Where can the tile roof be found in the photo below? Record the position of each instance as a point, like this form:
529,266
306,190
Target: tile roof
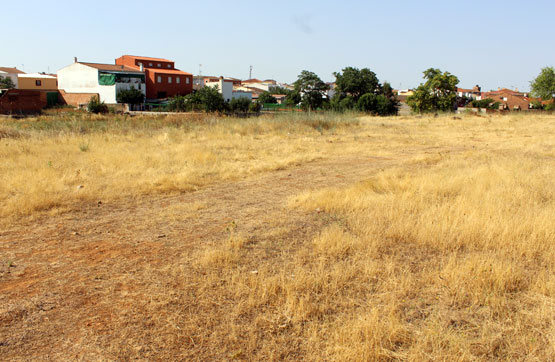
112,67
167,71
148,58
11,70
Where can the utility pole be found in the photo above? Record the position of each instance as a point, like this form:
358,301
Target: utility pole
250,72
199,75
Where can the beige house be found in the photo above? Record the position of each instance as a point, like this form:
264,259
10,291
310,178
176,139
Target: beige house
37,81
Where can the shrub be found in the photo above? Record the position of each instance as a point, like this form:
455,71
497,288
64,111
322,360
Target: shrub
239,105
255,107
132,96
96,106
266,97
377,104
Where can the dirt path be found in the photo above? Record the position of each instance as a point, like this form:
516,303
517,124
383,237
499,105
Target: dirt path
72,281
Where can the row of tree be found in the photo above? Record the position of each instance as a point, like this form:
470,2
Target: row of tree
439,92
355,89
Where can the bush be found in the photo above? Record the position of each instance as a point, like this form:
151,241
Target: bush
239,105
347,103
377,104
96,106
266,97
255,107
132,96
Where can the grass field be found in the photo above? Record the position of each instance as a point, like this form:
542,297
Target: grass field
287,238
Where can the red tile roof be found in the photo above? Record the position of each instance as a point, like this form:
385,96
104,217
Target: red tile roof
11,70
167,71
112,67
148,58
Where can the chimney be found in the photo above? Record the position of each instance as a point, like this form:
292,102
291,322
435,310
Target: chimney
141,67
75,59
516,89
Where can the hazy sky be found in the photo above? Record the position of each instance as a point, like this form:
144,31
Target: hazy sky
491,43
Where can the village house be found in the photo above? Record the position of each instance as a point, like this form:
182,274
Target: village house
509,99
80,81
225,87
475,93
11,73
37,81
163,80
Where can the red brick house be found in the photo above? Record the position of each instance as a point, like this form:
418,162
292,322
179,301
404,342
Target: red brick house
512,100
162,79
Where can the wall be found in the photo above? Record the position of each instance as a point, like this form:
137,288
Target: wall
79,78
241,94
171,89
225,88
27,81
22,101
133,61
75,99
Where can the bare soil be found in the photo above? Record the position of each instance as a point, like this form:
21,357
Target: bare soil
117,281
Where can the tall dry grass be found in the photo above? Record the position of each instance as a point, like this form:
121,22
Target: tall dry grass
449,256
51,163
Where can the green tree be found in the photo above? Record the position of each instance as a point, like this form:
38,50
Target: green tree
377,104
132,96
311,89
239,105
438,93
6,83
267,97
356,82
544,84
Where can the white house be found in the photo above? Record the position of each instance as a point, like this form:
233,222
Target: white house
11,73
225,87
104,79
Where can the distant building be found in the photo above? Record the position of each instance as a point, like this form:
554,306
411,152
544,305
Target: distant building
509,99
163,80
37,81
11,73
474,93
225,87
104,80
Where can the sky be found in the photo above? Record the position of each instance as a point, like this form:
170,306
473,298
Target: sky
489,43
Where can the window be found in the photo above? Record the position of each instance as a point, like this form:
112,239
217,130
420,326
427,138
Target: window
159,65
150,64
159,79
169,65
187,80
177,80
38,83
169,79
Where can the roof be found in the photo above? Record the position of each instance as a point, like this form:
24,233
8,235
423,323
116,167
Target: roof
148,58
167,71
11,70
112,67
254,80
36,75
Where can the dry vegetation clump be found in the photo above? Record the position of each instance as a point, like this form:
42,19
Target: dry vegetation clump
75,158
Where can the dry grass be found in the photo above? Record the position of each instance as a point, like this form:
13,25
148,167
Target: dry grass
445,251
50,163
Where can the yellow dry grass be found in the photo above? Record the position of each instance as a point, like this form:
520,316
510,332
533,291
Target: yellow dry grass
446,251
51,167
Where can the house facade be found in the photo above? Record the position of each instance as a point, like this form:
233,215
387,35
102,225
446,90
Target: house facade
162,79
225,87
106,80
37,81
